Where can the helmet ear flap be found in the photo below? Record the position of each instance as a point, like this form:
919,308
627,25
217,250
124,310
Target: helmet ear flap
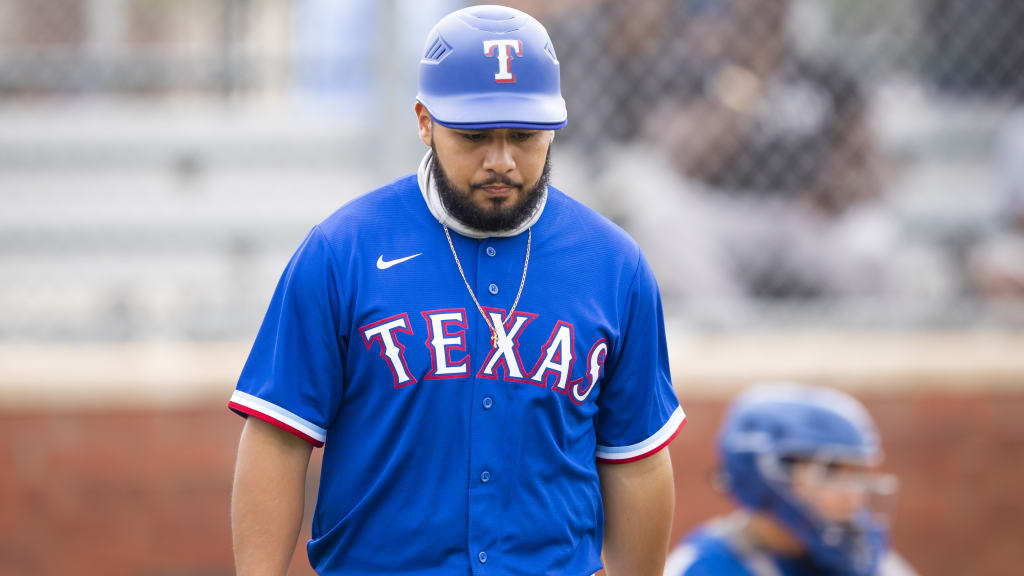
743,478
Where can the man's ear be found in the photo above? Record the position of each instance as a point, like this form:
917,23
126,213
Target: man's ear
425,123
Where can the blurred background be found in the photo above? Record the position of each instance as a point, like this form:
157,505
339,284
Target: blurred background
829,191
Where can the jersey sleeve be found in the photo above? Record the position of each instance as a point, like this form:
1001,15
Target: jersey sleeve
293,377
638,412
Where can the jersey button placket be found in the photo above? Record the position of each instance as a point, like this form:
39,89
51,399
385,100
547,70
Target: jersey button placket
484,489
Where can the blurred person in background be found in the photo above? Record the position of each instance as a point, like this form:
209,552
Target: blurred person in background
802,463
760,177
779,147
761,120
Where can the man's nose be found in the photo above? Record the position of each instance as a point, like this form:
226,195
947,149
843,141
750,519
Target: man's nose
498,157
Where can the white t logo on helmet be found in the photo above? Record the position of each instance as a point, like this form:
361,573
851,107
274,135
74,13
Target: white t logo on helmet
505,48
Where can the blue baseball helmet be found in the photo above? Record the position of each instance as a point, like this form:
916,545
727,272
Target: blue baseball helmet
772,424
491,67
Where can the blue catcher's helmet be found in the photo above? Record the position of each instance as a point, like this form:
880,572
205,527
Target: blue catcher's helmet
491,67
770,425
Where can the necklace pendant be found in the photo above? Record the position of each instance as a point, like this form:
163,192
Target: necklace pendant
494,340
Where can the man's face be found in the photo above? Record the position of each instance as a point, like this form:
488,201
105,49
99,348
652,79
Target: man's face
489,179
839,491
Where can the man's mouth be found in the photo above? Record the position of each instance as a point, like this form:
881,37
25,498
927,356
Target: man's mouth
497,190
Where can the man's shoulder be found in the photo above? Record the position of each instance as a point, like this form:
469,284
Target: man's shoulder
705,552
394,202
589,225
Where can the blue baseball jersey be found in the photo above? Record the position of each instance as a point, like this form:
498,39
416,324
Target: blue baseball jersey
443,454
717,549
708,552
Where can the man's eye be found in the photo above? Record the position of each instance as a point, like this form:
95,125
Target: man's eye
524,136
473,137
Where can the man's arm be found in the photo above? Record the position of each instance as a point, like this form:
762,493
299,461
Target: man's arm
268,498
639,498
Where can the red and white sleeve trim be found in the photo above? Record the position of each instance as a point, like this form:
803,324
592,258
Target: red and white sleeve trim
641,450
249,405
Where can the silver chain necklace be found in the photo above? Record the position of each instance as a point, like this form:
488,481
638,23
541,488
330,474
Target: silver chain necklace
526,263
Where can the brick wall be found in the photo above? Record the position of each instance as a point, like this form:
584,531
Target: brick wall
139,492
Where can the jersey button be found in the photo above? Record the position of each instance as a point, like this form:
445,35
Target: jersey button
482,556
488,402
485,476
493,288
491,251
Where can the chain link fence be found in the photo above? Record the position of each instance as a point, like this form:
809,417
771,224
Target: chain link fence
836,162
826,162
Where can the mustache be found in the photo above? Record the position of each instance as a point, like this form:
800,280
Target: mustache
497,179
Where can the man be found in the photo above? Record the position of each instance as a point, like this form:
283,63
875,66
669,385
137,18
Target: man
802,464
482,358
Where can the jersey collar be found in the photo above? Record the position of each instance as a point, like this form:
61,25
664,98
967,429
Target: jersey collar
436,206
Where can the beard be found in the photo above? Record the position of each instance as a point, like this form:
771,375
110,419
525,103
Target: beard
495,217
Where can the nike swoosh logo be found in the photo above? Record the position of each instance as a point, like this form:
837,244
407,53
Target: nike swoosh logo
385,264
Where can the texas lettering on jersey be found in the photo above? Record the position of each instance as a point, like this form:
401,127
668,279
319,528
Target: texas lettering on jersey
372,349
446,346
